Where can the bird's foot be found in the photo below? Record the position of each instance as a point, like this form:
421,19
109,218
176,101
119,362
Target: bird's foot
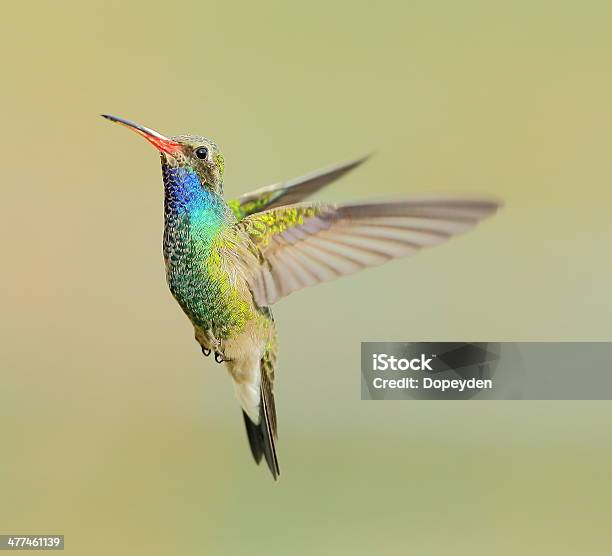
208,338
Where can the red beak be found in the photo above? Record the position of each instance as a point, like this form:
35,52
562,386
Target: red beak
161,143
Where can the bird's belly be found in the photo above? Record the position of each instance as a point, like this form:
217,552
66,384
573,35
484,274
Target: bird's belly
211,300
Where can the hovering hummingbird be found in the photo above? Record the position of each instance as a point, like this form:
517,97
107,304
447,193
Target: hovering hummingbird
227,262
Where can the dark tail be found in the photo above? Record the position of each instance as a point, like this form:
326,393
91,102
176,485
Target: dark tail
262,436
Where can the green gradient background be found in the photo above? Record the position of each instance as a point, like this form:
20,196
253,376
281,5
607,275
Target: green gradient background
117,433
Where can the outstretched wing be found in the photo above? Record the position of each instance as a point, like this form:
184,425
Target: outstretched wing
288,192
305,244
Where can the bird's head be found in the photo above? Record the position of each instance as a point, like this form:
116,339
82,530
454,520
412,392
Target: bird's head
184,151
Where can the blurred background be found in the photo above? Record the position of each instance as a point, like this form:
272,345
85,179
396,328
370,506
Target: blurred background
119,434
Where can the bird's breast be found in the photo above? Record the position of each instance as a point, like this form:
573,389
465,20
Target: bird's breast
203,281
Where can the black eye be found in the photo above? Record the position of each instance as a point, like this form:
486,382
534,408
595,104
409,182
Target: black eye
202,153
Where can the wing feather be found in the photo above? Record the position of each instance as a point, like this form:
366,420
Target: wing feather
305,244
290,191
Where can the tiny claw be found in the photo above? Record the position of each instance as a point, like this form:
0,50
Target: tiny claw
206,351
219,358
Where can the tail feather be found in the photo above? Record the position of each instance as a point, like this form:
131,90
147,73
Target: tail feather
268,423
262,436
255,438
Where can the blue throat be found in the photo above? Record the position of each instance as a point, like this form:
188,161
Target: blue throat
186,198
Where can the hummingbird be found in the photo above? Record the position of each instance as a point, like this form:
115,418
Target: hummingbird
228,262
